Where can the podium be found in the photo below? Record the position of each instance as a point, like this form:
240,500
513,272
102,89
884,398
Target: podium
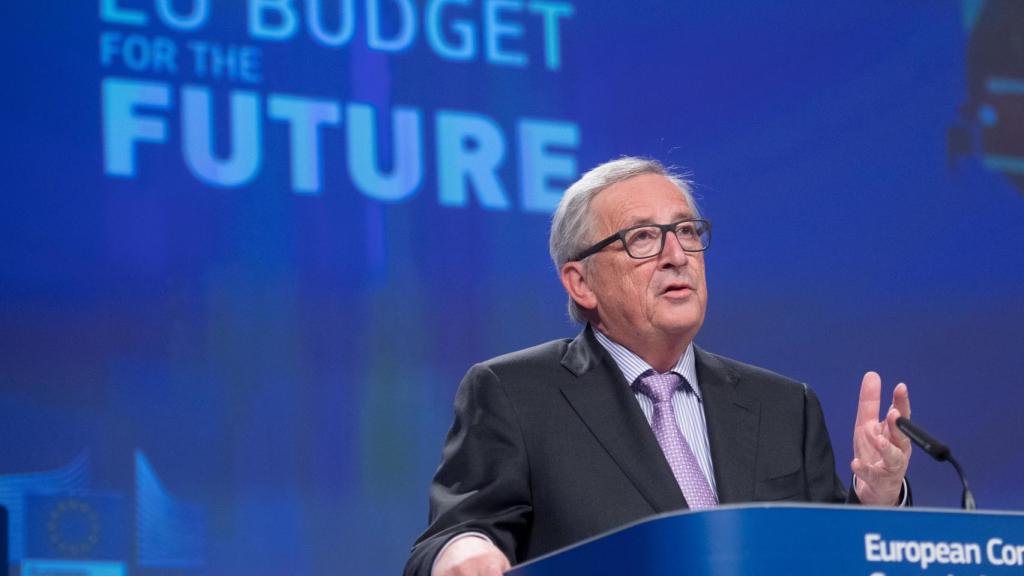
799,539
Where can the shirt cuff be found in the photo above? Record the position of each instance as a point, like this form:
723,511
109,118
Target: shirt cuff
456,538
904,491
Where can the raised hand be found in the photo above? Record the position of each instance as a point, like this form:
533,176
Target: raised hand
881,452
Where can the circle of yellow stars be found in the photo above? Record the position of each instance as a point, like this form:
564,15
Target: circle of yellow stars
65,509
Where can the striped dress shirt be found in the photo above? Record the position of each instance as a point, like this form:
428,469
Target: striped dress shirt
686,402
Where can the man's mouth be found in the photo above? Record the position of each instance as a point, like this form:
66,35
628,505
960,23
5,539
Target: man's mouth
677,289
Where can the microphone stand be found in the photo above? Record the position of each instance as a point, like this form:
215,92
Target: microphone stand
938,451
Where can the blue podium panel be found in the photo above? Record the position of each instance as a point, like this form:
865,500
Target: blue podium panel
800,539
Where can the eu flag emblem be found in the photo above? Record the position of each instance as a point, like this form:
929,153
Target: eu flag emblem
87,526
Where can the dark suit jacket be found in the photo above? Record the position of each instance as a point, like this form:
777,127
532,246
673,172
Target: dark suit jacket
549,447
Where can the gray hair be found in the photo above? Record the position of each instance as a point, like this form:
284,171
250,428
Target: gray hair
572,226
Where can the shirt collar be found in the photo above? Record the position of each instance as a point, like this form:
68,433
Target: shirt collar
633,366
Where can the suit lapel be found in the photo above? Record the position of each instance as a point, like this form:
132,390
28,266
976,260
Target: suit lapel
733,420
603,400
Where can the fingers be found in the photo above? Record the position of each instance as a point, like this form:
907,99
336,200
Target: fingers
870,398
881,457
901,399
892,456
895,435
881,447
881,450
863,471
875,486
857,467
863,446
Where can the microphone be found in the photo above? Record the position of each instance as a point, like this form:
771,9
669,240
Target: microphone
940,452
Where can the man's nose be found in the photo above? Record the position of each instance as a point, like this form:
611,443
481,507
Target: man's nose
673,254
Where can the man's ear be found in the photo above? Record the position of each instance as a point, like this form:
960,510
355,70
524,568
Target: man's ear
574,279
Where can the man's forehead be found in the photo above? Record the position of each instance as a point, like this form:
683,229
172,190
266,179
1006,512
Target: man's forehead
644,199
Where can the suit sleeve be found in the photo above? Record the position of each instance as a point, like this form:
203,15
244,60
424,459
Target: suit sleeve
482,484
823,484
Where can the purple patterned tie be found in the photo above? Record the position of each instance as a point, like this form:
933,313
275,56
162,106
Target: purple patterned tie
659,388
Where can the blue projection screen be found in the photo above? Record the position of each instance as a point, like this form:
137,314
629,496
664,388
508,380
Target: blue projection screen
250,247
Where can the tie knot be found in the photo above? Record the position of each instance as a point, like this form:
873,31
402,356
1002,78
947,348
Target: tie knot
659,387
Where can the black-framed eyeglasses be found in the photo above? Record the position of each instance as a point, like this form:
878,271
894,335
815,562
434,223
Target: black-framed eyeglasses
648,240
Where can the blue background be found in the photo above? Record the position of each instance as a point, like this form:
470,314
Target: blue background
286,363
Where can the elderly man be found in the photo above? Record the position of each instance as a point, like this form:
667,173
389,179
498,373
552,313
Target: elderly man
569,439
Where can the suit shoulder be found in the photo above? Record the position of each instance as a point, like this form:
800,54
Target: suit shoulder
538,365
749,375
541,355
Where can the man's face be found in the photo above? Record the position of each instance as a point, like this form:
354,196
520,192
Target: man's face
655,300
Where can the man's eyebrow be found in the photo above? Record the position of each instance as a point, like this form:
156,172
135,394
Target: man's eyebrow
649,221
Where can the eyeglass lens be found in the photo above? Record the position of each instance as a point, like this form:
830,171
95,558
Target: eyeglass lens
646,241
